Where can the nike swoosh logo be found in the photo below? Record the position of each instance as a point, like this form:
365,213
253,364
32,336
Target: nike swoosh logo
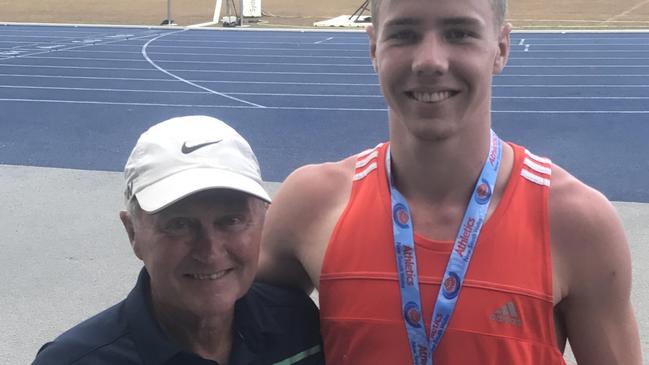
187,149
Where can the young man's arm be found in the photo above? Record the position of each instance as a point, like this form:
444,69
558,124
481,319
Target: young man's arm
299,223
593,267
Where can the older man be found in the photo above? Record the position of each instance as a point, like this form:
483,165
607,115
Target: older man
195,209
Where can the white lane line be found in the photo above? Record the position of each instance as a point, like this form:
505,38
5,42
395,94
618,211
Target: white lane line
144,53
578,58
215,54
201,25
350,65
256,49
572,111
577,66
333,83
346,74
312,108
211,41
80,46
364,57
581,86
47,36
54,46
588,75
574,97
598,41
210,55
342,51
594,86
189,105
216,44
15,87
598,51
526,20
305,95
202,81
286,35
192,62
322,41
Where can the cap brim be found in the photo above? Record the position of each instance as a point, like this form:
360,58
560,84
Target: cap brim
169,190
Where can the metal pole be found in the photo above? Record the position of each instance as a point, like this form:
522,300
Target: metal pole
241,13
169,12
217,11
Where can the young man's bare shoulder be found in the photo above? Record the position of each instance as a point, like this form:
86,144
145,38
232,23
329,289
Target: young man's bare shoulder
588,239
300,221
592,268
579,207
317,186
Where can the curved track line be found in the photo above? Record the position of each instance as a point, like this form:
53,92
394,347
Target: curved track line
146,56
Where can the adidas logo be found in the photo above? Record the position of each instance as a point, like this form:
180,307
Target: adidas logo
507,314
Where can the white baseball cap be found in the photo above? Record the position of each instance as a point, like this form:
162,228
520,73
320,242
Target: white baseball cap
182,156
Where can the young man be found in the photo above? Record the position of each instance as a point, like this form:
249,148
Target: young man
446,245
195,209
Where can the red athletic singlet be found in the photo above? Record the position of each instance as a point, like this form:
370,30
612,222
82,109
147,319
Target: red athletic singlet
504,314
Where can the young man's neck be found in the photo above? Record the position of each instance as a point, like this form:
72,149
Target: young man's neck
438,177
441,171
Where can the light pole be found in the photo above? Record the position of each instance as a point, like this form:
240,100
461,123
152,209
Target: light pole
169,12
241,13
168,21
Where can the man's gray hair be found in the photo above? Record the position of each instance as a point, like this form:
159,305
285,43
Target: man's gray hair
131,204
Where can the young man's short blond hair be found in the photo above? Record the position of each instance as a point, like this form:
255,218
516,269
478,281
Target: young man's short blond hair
499,8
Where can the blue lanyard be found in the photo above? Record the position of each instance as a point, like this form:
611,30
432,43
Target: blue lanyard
423,346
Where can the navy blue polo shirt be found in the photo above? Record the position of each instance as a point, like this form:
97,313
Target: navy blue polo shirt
272,326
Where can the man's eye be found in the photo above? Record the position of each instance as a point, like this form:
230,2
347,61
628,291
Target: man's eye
403,36
457,35
233,222
178,225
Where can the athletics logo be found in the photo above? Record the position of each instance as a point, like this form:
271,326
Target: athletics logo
451,286
482,192
400,215
412,315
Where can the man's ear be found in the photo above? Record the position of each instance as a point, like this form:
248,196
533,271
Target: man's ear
503,48
127,222
371,34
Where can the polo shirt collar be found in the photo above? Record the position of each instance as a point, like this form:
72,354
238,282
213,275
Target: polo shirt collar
254,316
254,323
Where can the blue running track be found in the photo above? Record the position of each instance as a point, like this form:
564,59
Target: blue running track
78,97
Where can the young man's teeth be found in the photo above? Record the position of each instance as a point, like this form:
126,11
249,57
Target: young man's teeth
431,97
208,276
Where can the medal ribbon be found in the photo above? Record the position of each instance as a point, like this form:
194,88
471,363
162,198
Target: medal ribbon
423,346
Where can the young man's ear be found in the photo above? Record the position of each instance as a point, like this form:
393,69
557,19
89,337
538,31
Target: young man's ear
371,34
127,222
503,48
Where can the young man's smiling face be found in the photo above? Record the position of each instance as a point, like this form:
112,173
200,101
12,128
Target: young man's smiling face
435,60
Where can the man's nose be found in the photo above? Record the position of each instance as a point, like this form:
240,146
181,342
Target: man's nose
431,56
209,246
